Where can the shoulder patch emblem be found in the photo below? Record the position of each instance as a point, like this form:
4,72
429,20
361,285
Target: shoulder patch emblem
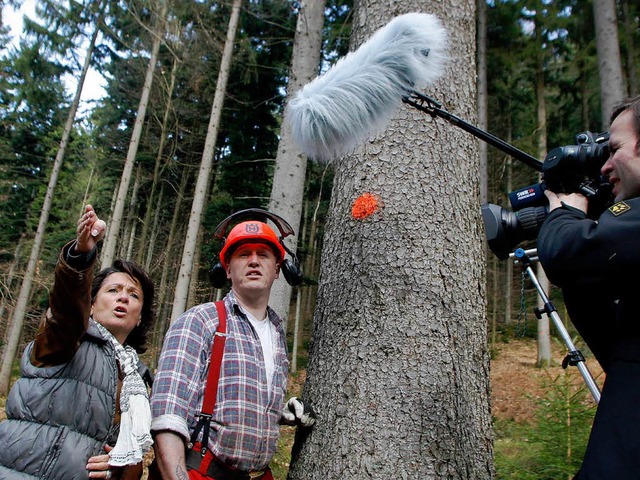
619,208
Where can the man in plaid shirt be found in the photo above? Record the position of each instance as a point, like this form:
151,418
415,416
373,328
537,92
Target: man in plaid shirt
251,389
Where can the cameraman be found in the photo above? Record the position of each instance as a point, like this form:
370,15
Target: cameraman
597,264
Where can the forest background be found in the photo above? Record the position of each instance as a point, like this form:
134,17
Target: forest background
537,54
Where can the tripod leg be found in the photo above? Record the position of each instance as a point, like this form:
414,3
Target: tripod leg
575,356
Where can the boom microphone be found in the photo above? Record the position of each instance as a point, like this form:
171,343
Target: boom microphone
356,97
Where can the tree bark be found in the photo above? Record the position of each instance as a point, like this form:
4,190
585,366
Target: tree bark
629,30
161,323
399,364
544,336
201,189
612,88
483,95
291,165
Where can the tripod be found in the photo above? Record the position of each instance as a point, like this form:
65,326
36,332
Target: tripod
525,258
574,357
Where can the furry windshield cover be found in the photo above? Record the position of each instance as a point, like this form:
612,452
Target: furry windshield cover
357,97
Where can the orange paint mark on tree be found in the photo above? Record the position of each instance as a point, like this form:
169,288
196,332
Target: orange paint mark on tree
365,205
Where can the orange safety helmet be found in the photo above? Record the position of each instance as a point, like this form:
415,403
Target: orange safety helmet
251,231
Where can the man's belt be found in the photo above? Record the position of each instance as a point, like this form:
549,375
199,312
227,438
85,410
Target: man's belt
216,469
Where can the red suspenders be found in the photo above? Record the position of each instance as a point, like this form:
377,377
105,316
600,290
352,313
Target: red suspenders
198,458
211,389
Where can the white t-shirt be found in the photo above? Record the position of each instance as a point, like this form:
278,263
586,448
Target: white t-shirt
266,334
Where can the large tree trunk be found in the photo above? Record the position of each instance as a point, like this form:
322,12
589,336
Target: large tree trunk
612,88
144,253
483,95
6,301
113,228
629,29
164,310
202,184
132,223
29,274
399,364
508,287
544,336
291,164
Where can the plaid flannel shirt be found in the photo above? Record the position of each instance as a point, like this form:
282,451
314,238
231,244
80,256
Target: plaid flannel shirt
244,427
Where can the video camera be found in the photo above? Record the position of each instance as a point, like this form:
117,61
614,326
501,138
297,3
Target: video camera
567,169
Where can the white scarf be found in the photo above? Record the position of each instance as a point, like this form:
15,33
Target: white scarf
134,438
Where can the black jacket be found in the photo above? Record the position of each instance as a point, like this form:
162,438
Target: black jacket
597,265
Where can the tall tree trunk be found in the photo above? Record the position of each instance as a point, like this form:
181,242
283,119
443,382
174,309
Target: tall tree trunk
483,95
508,287
629,30
29,274
7,298
194,283
291,164
87,189
612,88
399,364
202,184
114,197
544,337
302,292
132,222
167,267
113,229
156,170
149,251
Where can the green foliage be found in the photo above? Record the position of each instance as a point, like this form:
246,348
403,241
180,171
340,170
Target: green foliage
33,106
515,456
511,93
552,446
30,114
33,103
553,41
249,137
551,44
337,29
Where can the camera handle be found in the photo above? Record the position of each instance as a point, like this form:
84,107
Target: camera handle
574,357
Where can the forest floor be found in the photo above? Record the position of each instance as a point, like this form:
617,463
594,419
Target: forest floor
517,384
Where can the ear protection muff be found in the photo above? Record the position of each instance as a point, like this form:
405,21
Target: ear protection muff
291,269
218,276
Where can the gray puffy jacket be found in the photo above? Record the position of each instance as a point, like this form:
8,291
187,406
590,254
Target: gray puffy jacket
58,417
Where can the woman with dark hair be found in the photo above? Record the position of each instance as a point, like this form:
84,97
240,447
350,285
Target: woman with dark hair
137,338
81,407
